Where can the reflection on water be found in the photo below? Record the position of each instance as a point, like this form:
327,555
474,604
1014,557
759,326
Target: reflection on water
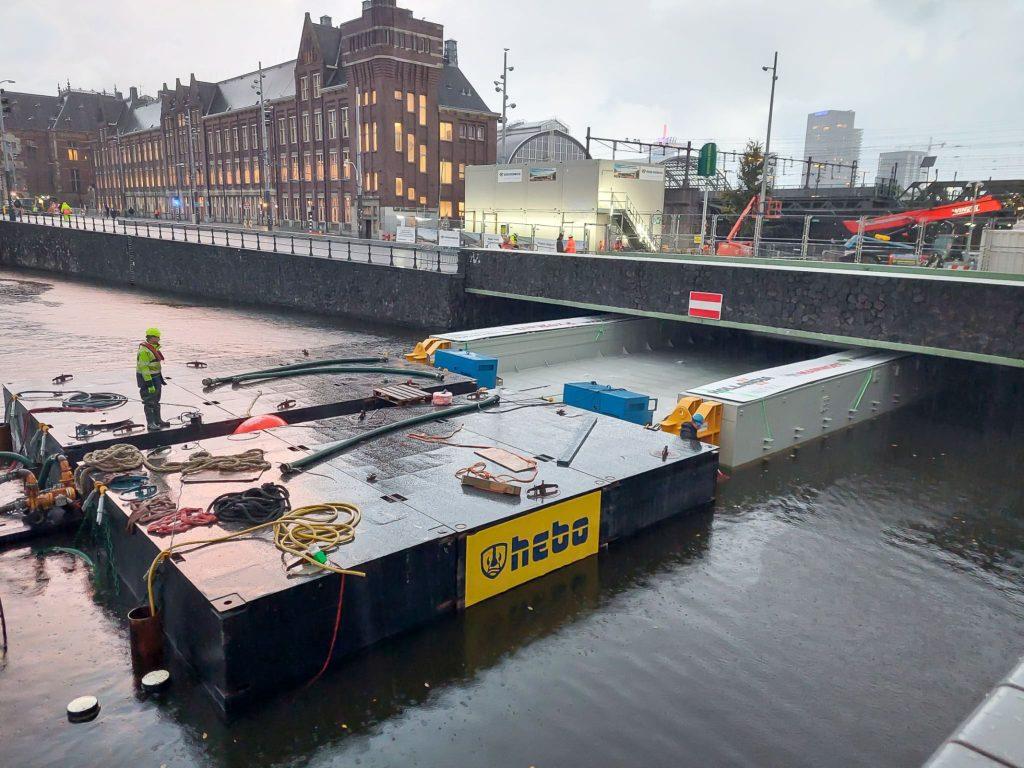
847,606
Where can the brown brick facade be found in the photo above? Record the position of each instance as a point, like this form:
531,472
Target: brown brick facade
381,95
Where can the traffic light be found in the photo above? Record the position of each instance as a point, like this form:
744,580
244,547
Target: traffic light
707,161
5,103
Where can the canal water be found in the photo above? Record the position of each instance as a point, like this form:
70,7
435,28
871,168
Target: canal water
845,606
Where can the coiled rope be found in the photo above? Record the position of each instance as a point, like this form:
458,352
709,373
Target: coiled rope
294,534
117,458
202,461
252,506
95,401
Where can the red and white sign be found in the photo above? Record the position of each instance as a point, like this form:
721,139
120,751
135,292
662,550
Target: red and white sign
707,305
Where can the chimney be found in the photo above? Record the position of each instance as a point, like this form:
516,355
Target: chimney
451,53
326,20
133,94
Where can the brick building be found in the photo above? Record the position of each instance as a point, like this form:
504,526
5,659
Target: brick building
50,140
374,110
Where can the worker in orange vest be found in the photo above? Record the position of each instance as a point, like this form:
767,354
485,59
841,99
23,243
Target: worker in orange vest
570,245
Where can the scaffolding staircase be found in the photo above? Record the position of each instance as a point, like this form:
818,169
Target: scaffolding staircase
632,223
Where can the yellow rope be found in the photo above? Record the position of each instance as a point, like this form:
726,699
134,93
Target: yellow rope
294,533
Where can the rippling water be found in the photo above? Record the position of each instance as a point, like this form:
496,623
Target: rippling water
845,607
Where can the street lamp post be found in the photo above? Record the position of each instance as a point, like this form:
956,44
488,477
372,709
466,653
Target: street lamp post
6,170
501,86
264,118
761,202
191,167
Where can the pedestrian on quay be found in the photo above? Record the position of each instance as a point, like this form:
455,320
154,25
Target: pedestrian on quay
570,245
560,243
65,211
106,212
131,211
150,378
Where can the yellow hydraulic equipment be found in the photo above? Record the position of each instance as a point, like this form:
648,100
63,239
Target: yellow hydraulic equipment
425,350
684,412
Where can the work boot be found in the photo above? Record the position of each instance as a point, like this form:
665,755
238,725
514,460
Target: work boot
152,417
156,412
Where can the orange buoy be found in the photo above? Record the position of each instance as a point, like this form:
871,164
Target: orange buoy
257,423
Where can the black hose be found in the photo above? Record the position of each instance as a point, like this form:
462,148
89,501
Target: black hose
333,449
403,372
298,366
95,401
252,506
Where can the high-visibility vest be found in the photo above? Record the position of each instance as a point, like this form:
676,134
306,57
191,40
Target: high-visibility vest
147,362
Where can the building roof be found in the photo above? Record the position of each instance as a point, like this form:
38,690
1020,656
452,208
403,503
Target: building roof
238,93
455,92
86,111
142,116
31,111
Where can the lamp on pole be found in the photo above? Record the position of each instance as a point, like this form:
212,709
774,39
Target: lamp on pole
5,171
761,201
501,86
257,85
192,166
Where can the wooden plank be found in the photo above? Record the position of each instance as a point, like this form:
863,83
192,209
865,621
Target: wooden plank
494,486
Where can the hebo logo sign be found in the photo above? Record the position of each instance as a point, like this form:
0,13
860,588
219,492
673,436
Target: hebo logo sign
512,553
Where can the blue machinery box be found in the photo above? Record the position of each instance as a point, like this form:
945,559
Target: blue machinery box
611,401
482,368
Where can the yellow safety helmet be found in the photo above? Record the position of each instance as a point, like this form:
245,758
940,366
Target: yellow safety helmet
152,332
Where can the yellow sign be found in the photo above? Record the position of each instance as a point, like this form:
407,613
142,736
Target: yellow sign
512,553
697,239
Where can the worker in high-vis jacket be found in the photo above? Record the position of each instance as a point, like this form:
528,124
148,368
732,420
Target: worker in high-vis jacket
150,378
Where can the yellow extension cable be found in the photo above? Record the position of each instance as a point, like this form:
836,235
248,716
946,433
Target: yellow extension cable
294,533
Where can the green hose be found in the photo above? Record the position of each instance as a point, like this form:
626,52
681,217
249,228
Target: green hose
334,449
67,551
23,460
410,372
298,366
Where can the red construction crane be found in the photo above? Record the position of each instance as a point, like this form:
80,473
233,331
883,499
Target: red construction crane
986,204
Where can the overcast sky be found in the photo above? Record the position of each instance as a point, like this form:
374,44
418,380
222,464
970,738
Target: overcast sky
912,69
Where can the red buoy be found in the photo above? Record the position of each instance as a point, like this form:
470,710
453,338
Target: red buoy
257,423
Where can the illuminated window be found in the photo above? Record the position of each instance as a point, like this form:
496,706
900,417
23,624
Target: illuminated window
398,186
283,167
231,177
444,209
423,109
446,131
446,172
423,158
295,166
248,172
462,171
376,180
346,163
462,209
410,145
398,95
366,98
334,164
334,209
410,101
304,88
319,165
374,136
256,172
72,152
411,194
423,200
307,168
373,96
